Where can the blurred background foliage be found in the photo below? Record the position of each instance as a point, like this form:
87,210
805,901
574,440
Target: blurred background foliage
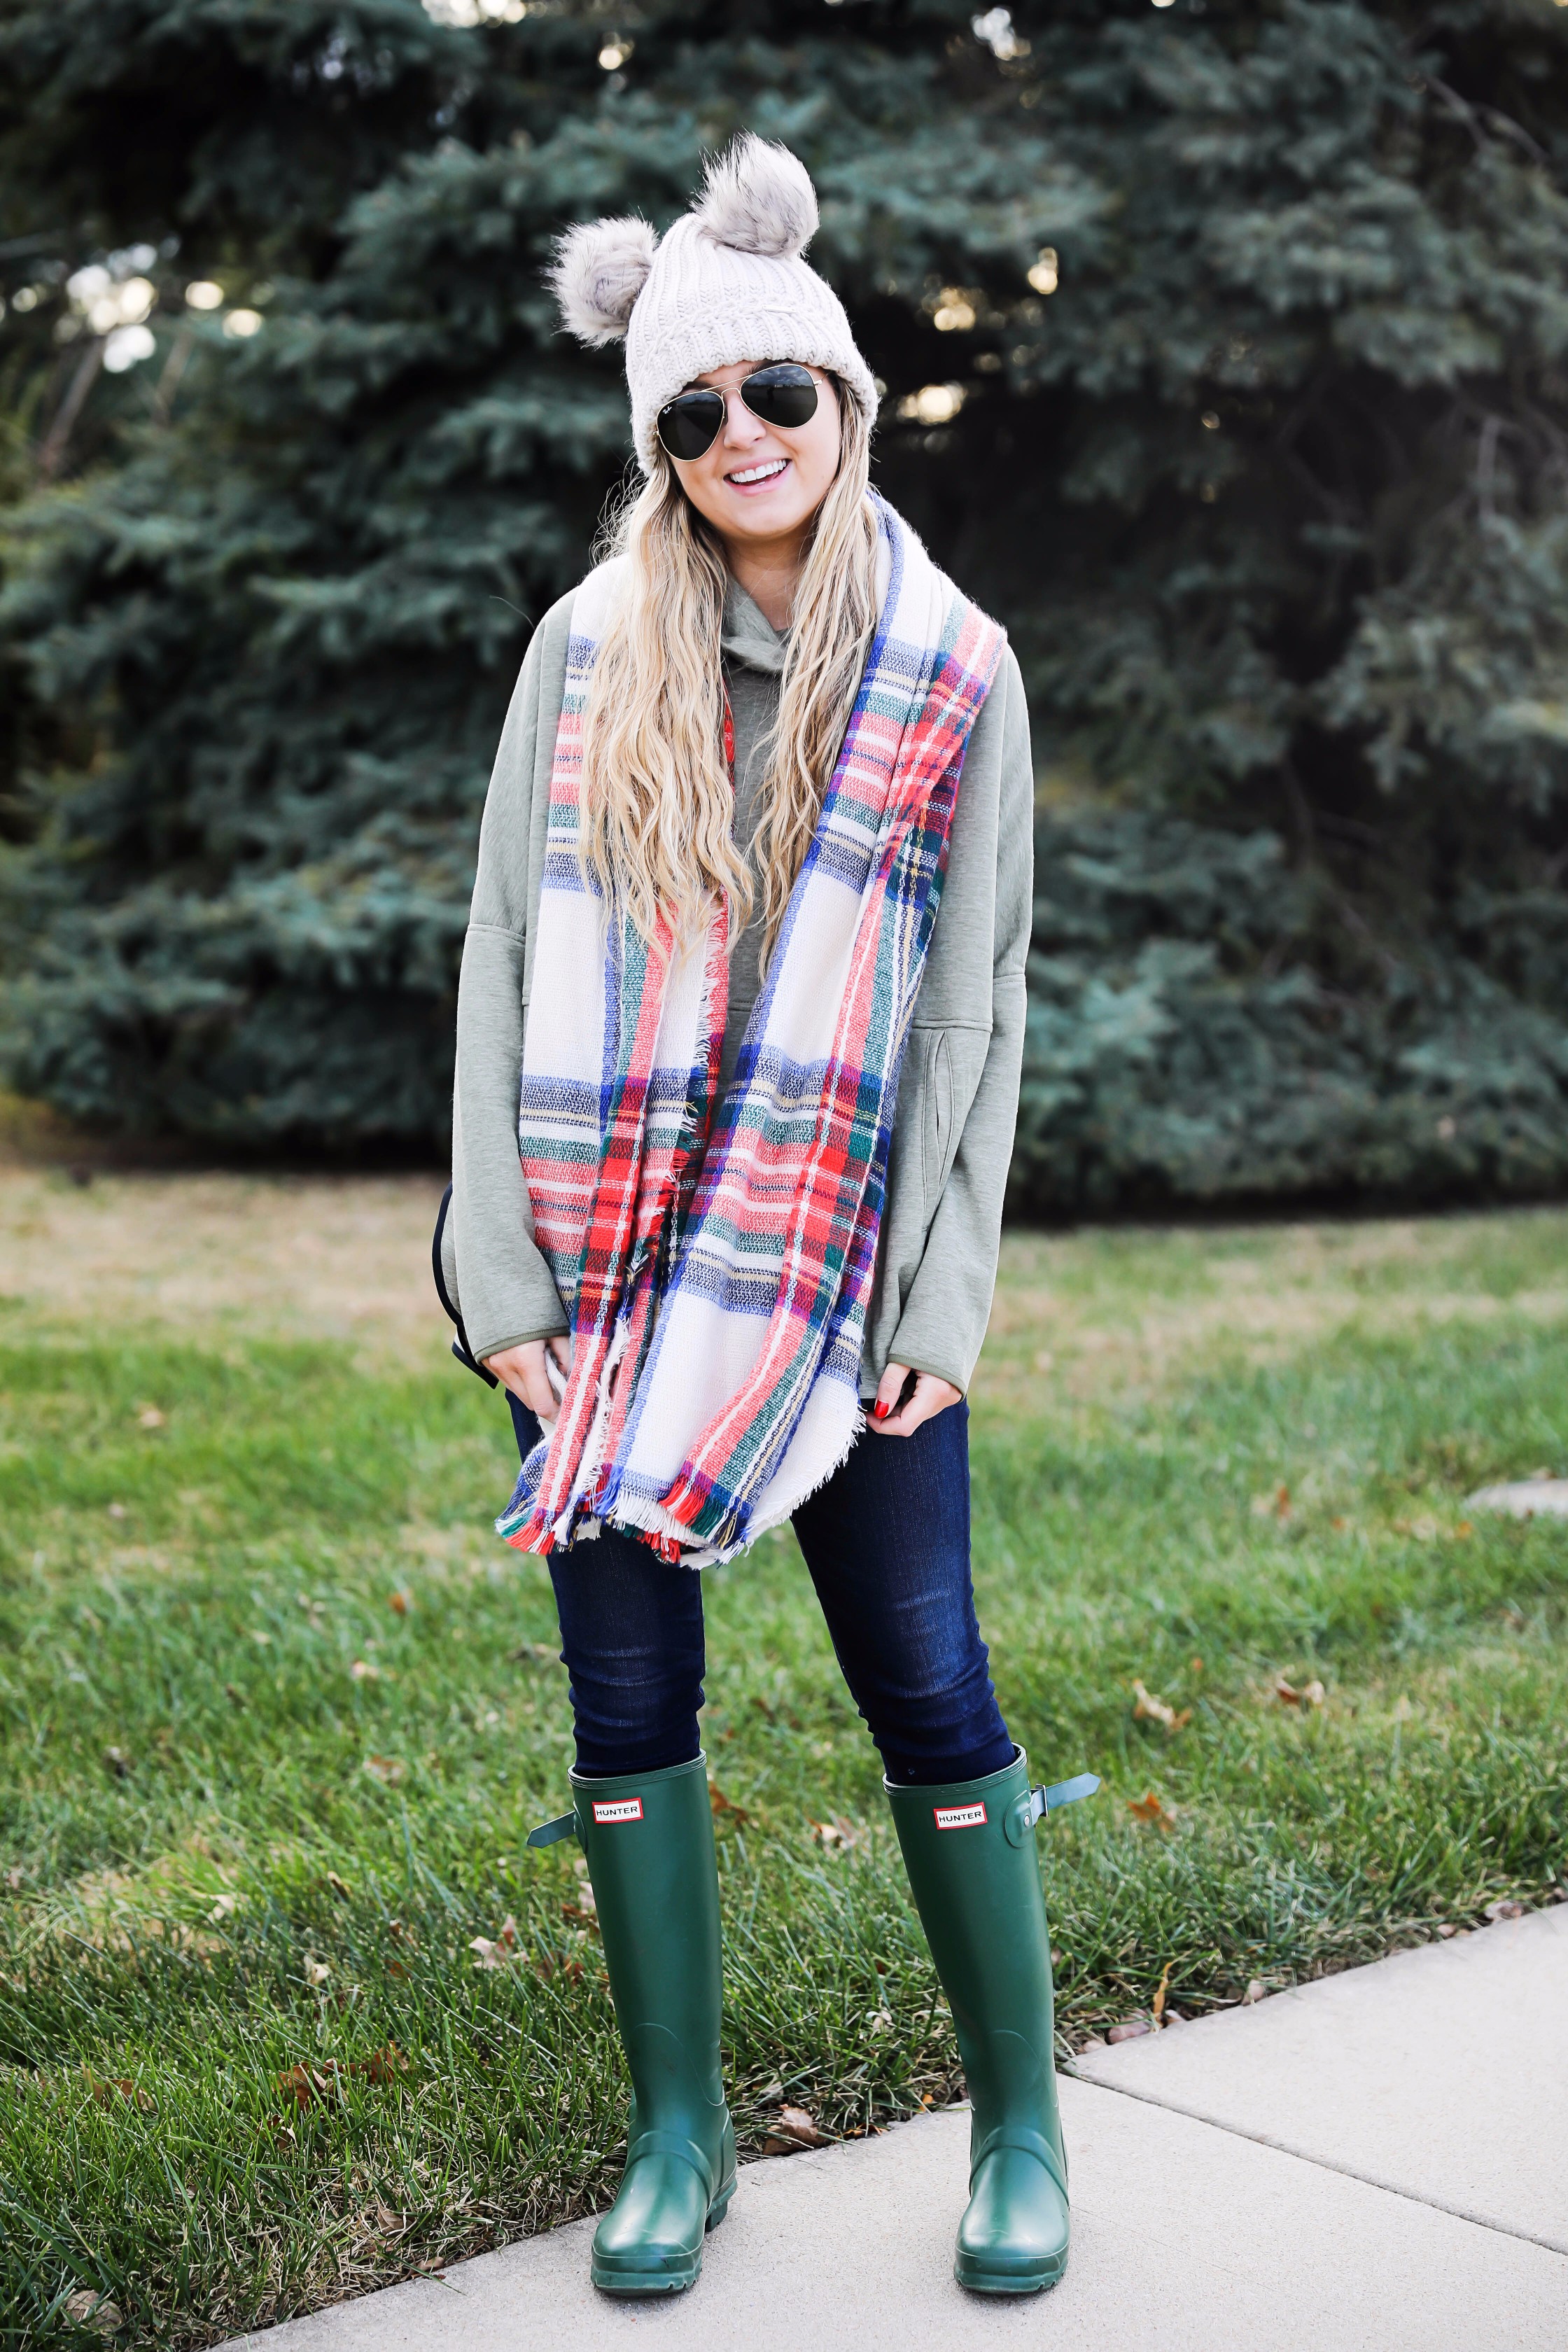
1227,360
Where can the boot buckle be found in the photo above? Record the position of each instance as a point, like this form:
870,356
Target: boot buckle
564,1825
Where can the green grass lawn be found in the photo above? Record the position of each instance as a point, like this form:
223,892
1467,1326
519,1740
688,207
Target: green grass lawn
277,1711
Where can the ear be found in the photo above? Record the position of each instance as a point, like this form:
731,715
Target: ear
759,199
600,269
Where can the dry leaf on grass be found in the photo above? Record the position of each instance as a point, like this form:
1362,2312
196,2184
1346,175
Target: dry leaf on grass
1311,1694
538,1653
1130,2030
339,1885
1276,1506
402,1602
1149,1808
15,1876
89,2308
1503,1909
118,1762
1157,2006
316,1971
838,1835
221,1909
364,1670
1256,1992
1156,1710
495,1951
108,2091
546,1966
309,2085
726,1806
388,1769
793,2129
1424,1527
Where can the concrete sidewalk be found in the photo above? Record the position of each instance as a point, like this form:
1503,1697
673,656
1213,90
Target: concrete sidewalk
1377,2161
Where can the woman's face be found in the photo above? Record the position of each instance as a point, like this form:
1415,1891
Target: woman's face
761,482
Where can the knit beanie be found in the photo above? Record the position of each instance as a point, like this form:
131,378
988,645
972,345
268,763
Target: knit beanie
726,283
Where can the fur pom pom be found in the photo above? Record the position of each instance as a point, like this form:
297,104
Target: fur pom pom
600,269
758,198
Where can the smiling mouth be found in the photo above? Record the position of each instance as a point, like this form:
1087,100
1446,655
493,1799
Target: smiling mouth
748,474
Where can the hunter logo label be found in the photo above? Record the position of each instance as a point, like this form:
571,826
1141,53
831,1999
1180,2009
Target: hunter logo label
618,1809
959,1817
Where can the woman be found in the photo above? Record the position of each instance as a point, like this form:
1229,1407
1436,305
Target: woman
727,802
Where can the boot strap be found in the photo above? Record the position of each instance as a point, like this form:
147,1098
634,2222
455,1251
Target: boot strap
667,2143
1020,1818
1028,2143
564,1825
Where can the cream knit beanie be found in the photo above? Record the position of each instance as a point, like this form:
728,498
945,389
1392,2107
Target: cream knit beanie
726,283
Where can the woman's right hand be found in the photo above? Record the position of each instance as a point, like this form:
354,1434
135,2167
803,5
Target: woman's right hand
523,1371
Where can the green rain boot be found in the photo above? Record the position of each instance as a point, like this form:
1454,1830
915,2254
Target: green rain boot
969,1849
649,1842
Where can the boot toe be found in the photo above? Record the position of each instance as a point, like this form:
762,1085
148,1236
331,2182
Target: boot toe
650,2240
1013,2239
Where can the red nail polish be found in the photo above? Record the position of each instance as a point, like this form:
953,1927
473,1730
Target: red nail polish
880,1411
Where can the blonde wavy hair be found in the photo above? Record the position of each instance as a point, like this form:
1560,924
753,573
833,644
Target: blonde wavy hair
656,794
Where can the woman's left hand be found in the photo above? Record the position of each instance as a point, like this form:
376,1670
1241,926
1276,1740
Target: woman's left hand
929,1397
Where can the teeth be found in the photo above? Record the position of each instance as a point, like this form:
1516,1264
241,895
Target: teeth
761,473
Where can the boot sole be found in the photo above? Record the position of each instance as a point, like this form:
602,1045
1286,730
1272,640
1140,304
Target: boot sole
980,2280
635,2284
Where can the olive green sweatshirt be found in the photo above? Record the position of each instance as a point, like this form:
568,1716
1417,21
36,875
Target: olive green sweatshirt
958,1094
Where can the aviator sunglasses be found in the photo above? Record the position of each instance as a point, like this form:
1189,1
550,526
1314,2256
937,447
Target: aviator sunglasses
782,395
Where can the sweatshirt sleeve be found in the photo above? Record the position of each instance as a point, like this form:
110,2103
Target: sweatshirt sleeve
948,1305
503,1284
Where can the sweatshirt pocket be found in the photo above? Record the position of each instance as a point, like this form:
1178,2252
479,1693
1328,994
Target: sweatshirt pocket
950,1059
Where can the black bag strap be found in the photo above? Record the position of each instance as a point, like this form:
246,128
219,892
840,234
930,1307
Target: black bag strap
461,1348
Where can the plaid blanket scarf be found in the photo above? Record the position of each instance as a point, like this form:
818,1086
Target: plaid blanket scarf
716,1256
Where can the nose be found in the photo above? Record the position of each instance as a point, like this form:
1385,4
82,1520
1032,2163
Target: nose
741,429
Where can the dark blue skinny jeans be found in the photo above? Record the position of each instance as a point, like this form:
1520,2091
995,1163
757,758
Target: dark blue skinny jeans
887,1543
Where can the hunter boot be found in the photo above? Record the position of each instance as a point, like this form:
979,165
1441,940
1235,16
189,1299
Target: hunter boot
969,1849
649,1838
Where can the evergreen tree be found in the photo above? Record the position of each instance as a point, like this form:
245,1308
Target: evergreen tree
1225,356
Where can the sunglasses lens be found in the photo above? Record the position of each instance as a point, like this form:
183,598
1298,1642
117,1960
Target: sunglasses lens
782,395
690,423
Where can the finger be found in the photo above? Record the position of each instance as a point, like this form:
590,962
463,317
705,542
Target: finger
890,1388
915,1409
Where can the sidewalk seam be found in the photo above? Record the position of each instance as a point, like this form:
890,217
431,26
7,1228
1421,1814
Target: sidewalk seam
1325,2164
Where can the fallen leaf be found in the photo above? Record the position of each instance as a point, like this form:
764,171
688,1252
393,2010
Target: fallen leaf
316,1971
1157,2006
1130,2029
1503,1909
222,1907
262,1640
383,2065
108,2091
727,1805
387,1769
151,1418
338,1885
1256,1992
305,2084
363,1671
579,1915
1149,1808
1155,1710
1464,1528
1276,1506
1339,1526
401,1602
792,2128
539,1654
89,2308
838,1836
281,2134
15,1876
1311,1694
397,1969
494,1952
118,1762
